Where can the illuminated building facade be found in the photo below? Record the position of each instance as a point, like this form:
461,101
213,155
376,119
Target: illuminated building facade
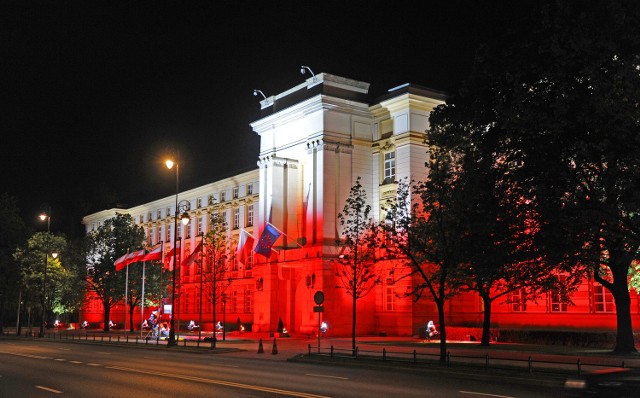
316,139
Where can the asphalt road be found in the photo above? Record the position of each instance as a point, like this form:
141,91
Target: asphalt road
45,368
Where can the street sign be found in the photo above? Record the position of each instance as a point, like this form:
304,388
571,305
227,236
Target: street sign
318,297
318,308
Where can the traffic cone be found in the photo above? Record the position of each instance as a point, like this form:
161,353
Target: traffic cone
275,348
260,349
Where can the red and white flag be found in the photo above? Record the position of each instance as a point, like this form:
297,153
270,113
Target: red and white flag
155,254
120,262
169,257
245,245
135,257
193,255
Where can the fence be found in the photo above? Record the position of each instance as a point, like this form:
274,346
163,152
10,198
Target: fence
486,361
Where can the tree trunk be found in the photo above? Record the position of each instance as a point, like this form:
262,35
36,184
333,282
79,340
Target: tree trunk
625,343
131,310
107,315
486,322
353,327
443,330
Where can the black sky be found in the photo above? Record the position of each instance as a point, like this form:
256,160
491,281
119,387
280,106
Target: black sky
95,94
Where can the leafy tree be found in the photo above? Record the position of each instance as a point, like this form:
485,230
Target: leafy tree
32,260
217,253
356,271
424,226
111,240
498,223
12,234
564,112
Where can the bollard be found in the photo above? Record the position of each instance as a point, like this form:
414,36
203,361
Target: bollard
331,350
530,364
275,348
356,352
415,356
448,358
309,349
260,348
579,368
384,354
486,360
622,364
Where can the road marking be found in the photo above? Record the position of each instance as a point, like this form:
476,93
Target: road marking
221,382
49,389
65,349
75,362
485,395
24,355
94,364
102,352
60,359
326,376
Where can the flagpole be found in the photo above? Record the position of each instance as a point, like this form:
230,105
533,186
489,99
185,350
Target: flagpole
144,265
126,298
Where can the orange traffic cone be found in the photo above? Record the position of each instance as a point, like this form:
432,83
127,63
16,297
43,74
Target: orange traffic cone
260,349
275,347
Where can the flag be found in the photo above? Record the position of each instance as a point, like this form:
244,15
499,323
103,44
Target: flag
169,256
245,245
269,236
120,262
134,257
154,255
193,255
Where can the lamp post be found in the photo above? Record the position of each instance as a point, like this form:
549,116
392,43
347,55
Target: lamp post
185,219
45,216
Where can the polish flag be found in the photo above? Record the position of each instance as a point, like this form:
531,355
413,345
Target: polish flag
154,255
245,245
120,262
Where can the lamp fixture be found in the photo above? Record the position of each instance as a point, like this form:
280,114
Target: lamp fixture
304,68
256,92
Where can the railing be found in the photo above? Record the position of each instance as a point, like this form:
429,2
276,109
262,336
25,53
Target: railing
486,361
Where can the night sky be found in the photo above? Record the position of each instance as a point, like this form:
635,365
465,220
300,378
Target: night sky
96,94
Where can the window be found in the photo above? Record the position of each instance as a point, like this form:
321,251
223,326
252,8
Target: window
517,300
186,302
168,233
199,203
235,192
168,211
249,263
141,218
389,167
211,200
158,214
200,226
223,196
149,216
158,234
390,299
247,301
234,301
250,216
557,304
179,231
249,189
602,299
236,218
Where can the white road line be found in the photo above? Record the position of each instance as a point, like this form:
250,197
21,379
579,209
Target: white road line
485,395
60,359
49,389
94,364
221,382
326,376
65,349
75,362
102,352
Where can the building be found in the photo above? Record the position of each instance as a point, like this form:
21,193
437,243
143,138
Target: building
316,139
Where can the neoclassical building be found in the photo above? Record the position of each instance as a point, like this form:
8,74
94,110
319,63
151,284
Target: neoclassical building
316,139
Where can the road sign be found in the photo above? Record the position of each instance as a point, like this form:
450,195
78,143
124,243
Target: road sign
318,308
318,297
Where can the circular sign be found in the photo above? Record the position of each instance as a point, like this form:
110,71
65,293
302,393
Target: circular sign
318,297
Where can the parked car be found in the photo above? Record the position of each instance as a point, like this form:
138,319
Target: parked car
614,383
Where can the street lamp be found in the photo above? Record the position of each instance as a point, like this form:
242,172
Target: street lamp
45,216
185,220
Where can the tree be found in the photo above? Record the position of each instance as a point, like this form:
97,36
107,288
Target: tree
111,240
12,234
565,113
423,225
498,224
216,254
32,259
356,271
